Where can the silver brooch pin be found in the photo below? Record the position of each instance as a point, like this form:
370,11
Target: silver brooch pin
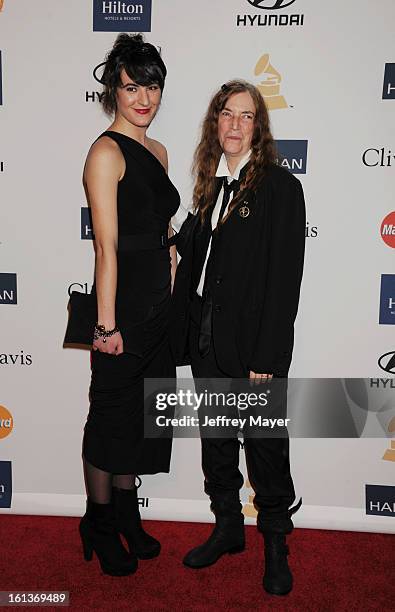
244,211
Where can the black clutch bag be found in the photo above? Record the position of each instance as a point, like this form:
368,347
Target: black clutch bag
82,309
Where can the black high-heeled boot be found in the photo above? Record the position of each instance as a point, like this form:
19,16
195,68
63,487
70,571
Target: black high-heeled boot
98,533
128,523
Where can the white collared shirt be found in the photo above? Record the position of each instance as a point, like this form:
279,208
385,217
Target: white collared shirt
222,170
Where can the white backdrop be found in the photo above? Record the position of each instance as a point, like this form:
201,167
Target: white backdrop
332,70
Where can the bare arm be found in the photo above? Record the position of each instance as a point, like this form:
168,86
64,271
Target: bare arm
103,169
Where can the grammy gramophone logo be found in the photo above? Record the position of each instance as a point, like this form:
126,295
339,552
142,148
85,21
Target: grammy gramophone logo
270,84
249,508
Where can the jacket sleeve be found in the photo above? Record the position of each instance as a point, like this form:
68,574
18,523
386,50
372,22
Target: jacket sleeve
182,238
274,342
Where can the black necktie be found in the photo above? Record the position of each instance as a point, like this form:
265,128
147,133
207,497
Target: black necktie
207,305
228,189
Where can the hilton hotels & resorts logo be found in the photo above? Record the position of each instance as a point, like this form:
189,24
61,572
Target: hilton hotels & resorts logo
389,82
6,422
122,16
5,484
267,15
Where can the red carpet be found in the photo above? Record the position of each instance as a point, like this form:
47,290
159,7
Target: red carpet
333,570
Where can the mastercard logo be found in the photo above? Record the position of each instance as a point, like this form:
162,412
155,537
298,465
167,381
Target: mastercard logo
6,422
387,229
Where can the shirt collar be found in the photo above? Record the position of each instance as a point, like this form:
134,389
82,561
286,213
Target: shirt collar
223,169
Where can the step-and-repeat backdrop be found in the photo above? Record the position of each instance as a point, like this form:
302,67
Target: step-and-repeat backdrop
327,72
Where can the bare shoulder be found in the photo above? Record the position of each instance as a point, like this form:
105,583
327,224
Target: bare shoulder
159,150
105,156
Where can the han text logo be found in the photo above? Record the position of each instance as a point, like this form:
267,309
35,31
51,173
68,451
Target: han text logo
387,300
293,155
8,290
389,82
122,16
380,500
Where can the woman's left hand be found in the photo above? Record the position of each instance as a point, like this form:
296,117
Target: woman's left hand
257,379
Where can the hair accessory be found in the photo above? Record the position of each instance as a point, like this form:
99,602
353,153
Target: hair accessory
144,48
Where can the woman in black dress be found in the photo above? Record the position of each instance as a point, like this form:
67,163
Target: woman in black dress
132,201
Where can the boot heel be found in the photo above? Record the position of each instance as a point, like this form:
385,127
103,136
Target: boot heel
237,549
98,534
87,548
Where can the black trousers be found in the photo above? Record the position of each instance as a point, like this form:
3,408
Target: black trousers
267,459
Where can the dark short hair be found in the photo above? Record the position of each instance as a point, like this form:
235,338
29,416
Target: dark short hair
140,60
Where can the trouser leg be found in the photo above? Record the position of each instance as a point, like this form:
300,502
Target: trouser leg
269,474
220,456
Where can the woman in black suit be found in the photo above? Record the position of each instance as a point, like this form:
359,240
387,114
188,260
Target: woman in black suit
234,304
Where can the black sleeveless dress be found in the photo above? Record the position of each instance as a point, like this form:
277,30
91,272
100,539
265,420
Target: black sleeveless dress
114,432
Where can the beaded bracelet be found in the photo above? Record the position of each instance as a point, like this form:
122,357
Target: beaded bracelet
101,332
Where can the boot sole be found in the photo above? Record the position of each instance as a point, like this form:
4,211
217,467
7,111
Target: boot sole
110,572
232,551
140,554
145,556
276,592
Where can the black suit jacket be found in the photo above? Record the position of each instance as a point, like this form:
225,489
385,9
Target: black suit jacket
255,279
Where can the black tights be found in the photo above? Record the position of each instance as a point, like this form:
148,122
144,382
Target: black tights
99,483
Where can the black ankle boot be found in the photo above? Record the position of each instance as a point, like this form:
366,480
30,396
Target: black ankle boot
227,537
98,533
128,523
277,579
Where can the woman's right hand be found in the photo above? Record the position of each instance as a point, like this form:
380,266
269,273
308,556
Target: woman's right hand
113,345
